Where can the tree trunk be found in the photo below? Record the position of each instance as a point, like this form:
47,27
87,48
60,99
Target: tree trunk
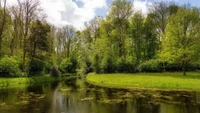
24,54
184,68
164,67
68,48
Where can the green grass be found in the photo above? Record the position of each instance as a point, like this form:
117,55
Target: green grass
15,82
158,81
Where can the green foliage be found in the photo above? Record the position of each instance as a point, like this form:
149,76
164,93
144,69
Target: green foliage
38,49
35,67
125,41
38,40
68,65
150,66
107,65
124,65
96,64
54,71
9,67
176,67
182,37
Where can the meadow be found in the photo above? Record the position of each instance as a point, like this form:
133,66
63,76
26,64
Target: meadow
157,81
16,82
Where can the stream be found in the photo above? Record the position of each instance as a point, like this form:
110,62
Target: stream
74,95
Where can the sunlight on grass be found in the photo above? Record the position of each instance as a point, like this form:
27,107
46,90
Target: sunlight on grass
14,82
147,80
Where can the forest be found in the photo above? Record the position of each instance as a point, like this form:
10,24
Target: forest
166,39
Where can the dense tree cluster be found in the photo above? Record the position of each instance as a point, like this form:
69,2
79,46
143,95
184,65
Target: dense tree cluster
125,41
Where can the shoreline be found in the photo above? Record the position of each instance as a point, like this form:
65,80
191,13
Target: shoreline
146,81
24,81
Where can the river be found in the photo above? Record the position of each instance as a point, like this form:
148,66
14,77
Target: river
74,95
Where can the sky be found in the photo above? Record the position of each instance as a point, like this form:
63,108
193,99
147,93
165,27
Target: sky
77,12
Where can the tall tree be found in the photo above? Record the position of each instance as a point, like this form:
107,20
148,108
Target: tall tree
2,22
38,40
150,45
120,12
182,37
28,11
68,33
137,34
63,42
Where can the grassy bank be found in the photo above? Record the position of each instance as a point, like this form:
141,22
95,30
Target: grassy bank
160,81
14,82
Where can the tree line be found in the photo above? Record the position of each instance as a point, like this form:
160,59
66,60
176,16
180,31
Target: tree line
125,41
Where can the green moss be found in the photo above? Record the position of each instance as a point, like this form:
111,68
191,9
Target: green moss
161,81
15,82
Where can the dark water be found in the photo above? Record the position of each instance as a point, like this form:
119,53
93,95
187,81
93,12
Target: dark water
75,96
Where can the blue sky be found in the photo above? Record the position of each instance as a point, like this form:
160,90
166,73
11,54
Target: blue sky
196,3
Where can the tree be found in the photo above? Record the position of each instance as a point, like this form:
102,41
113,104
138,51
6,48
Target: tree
161,12
150,46
2,22
63,42
38,47
120,12
38,39
182,37
137,34
16,42
68,33
27,13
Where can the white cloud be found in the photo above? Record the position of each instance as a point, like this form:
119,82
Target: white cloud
167,0
62,12
142,6
67,12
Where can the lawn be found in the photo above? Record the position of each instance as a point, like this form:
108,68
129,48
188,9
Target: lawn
15,82
160,81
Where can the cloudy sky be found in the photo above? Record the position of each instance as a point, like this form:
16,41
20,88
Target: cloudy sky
77,12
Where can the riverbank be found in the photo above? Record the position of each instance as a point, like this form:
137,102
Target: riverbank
15,82
157,81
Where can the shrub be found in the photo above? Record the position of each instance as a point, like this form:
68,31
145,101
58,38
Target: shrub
173,67
150,66
125,65
54,71
9,67
68,65
35,67
96,64
107,65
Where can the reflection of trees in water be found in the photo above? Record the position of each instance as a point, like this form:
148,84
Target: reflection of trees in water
143,105
31,99
72,84
79,97
43,88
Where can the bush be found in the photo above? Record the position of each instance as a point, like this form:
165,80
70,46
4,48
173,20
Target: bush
174,67
125,65
107,65
150,66
96,64
68,65
54,71
35,67
9,67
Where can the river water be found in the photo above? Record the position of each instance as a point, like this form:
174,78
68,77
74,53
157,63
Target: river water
74,95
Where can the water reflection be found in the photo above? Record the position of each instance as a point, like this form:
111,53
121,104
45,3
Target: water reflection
75,96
